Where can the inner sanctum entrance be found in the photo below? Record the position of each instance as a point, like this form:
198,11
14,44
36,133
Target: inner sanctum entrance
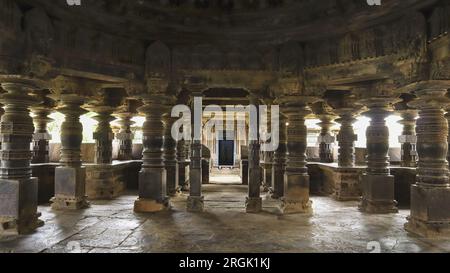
226,153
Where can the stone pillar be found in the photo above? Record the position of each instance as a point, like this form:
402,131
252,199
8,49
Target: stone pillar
296,180
267,165
170,156
324,112
18,190
70,178
195,201
41,136
244,165
346,138
408,139
103,135
152,178
183,164
279,162
253,203
430,196
377,183
125,136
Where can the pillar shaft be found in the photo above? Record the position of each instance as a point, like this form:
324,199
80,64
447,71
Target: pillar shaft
377,183
254,200
346,139
104,137
70,178
41,136
18,190
408,139
170,158
183,164
279,162
430,196
326,140
125,137
195,201
152,178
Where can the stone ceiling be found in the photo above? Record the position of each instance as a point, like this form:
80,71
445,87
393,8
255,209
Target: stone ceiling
185,21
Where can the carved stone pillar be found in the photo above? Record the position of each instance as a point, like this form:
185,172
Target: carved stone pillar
125,136
430,196
267,165
325,139
195,201
70,178
170,154
296,180
254,201
377,183
408,139
346,138
41,136
18,190
103,135
152,178
279,162
183,165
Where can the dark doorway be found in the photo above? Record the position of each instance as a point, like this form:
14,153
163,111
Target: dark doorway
226,152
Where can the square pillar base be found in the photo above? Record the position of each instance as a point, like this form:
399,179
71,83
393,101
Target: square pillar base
143,205
430,212
70,189
253,205
347,184
296,194
195,204
103,182
18,206
378,194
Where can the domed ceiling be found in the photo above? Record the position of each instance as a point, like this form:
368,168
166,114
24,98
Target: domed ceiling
263,21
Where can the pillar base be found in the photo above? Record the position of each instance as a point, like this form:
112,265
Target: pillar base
70,183
296,194
253,204
195,204
103,183
143,205
296,206
430,212
347,184
61,202
18,206
378,194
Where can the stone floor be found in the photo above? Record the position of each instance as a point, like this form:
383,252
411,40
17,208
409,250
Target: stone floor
111,226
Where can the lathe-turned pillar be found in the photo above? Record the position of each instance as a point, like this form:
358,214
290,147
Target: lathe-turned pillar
325,139
70,177
125,136
408,139
41,136
430,196
18,190
103,135
346,137
377,183
170,153
253,203
296,180
195,201
279,162
183,164
152,178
